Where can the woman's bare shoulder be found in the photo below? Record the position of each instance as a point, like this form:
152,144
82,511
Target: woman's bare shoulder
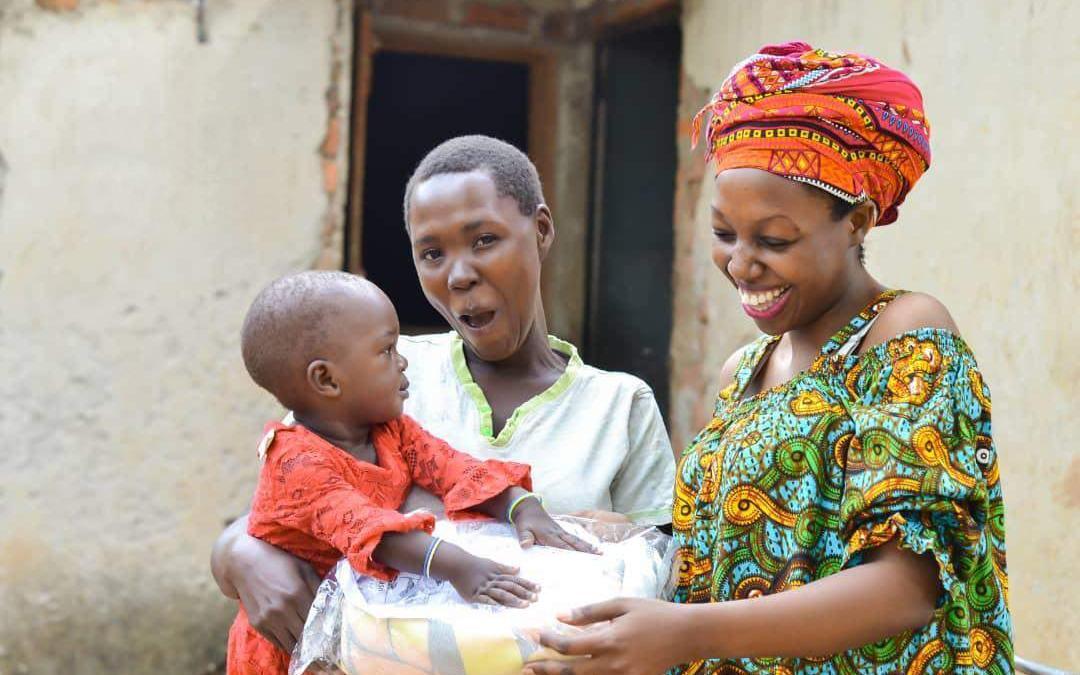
909,312
727,372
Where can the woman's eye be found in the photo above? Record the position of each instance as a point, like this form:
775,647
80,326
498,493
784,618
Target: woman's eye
776,244
726,237
485,240
431,255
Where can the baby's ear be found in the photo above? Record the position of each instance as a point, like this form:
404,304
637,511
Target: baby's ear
322,378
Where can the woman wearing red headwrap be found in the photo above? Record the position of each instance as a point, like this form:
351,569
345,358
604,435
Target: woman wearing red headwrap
842,511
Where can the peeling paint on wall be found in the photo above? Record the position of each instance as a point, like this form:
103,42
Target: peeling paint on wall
332,157
156,184
991,230
58,5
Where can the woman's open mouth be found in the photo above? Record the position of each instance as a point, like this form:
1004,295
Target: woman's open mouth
403,390
764,304
477,320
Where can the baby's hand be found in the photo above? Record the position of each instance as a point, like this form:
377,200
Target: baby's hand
490,583
535,526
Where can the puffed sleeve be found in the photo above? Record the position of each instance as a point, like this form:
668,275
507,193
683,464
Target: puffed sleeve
312,496
642,489
922,469
461,480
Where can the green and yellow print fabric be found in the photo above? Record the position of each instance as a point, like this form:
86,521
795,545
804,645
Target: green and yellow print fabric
797,482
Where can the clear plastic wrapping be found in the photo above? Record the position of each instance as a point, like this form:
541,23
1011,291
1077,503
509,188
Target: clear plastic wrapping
416,626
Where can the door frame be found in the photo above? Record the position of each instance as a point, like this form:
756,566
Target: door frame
371,38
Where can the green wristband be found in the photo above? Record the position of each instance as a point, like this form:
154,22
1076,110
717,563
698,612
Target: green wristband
517,502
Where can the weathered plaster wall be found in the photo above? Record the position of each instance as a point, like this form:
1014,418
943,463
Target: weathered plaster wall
991,230
154,185
564,271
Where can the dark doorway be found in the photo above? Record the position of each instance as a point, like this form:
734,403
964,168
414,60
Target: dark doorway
417,101
629,312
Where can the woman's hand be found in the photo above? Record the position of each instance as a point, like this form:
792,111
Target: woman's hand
275,588
535,526
604,517
641,637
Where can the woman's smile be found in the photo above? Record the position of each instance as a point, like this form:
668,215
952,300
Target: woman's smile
764,304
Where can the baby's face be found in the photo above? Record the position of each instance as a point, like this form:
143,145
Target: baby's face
370,371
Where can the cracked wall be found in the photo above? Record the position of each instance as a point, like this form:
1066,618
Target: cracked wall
154,184
991,230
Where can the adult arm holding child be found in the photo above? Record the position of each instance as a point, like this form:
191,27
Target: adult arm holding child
276,588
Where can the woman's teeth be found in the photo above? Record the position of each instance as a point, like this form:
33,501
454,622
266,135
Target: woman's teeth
761,299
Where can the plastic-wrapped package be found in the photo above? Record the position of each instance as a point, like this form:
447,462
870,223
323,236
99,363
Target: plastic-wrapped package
417,626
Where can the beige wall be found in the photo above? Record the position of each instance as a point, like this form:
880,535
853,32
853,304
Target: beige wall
991,230
154,185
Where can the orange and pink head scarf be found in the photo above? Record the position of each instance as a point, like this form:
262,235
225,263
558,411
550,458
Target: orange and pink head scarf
845,123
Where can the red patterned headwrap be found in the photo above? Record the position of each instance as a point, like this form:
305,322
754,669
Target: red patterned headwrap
845,123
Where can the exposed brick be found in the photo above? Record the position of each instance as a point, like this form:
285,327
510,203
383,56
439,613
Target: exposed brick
332,140
433,11
58,5
508,17
563,26
628,11
330,176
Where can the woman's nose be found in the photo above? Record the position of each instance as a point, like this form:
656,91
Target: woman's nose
462,275
403,362
743,265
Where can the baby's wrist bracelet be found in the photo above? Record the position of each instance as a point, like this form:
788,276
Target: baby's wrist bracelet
433,546
517,502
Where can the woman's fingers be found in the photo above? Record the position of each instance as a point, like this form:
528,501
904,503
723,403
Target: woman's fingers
601,611
275,639
582,644
296,627
603,516
312,580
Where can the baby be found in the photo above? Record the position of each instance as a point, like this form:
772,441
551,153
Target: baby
324,344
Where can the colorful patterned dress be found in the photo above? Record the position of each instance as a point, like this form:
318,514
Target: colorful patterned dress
798,481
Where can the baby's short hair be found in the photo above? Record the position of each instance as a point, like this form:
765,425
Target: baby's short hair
287,324
510,169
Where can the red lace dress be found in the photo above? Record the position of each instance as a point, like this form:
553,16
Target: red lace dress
320,503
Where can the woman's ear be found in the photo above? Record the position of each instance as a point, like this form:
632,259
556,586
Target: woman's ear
322,378
545,230
861,220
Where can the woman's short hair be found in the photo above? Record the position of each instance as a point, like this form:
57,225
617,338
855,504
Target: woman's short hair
510,169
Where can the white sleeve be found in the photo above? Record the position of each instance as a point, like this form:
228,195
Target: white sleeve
644,486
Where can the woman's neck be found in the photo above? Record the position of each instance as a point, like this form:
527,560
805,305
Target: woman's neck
351,439
809,339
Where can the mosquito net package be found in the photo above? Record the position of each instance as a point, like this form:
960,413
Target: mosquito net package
416,625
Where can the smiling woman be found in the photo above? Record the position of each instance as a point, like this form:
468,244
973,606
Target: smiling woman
842,511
